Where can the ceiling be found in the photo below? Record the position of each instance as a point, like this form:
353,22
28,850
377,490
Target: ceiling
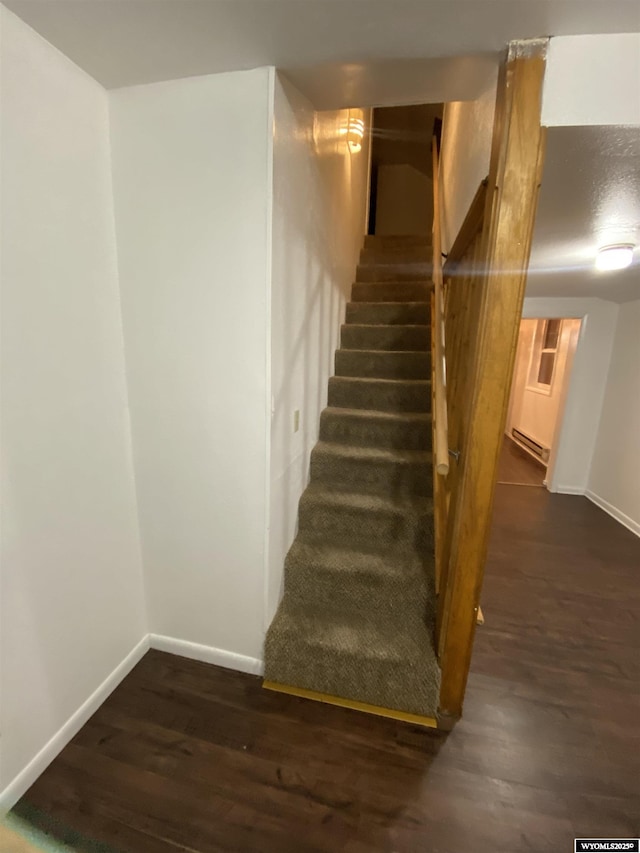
393,82
384,52
590,197
126,42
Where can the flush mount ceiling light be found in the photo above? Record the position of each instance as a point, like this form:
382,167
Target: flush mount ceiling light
614,257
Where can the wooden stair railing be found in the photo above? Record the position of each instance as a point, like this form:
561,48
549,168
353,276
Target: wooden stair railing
480,295
438,380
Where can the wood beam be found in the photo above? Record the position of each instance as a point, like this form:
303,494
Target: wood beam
512,192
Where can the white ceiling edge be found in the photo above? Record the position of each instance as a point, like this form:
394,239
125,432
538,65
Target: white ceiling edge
619,287
131,42
593,80
399,82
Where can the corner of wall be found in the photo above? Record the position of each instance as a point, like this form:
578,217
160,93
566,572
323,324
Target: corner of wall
86,593
270,131
613,479
130,449
39,763
607,318
577,436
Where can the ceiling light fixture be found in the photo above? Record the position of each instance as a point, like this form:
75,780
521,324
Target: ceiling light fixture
355,131
614,257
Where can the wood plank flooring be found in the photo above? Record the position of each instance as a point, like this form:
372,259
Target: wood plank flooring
188,757
517,468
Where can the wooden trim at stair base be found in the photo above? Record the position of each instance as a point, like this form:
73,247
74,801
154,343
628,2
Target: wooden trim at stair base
400,716
446,722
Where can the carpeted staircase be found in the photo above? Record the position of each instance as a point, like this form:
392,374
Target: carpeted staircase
357,617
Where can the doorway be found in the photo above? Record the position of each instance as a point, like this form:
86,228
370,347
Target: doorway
401,181
541,377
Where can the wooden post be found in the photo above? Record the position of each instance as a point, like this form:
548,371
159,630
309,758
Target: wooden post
514,179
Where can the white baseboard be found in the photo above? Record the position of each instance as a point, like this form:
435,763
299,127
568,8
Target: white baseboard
569,490
207,654
23,781
614,512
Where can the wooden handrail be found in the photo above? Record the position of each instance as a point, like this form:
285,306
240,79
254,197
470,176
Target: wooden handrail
470,227
441,443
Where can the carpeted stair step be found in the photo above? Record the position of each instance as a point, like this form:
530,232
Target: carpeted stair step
396,241
394,254
391,291
360,427
358,613
405,271
370,523
394,667
388,313
343,581
382,395
371,470
376,337
383,364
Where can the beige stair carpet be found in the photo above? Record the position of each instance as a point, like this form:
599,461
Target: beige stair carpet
357,617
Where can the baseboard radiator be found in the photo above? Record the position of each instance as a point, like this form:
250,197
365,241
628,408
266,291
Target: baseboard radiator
531,445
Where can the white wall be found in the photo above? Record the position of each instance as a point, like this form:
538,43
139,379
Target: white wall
71,582
614,481
520,366
191,162
319,210
583,405
467,134
592,80
404,200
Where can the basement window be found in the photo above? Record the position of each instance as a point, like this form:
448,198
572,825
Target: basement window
543,355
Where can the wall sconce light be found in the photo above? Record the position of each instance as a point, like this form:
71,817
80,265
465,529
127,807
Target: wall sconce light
354,132
614,257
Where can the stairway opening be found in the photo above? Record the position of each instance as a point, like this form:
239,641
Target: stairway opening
356,623
401,185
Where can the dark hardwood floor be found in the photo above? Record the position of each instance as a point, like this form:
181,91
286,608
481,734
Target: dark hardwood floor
517,468
188,757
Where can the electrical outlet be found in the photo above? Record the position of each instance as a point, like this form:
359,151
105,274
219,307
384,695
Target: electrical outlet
296,420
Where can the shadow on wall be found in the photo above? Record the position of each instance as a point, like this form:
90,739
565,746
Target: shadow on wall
319,218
